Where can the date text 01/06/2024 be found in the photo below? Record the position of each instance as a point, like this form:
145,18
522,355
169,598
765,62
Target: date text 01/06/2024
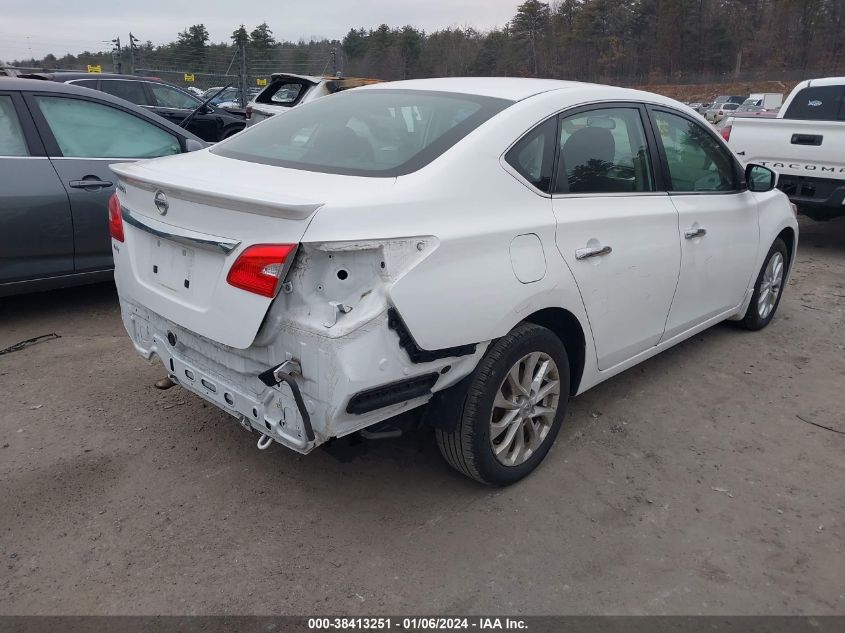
416,624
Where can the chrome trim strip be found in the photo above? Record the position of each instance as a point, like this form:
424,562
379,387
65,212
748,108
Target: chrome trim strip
181,236
609,194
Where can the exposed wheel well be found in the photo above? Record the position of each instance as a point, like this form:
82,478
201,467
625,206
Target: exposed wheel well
788,236
568,329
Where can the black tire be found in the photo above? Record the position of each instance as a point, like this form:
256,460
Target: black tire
468,447
753,320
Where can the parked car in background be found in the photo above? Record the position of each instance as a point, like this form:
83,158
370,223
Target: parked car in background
728,99
312,292
285,91
56,144
211,124
765,100
717,112
228,95
194,91
703,107
804,144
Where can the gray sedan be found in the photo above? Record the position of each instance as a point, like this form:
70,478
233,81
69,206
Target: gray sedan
56,144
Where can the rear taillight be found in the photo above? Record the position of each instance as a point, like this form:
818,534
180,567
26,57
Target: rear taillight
726,132
260,267
115,219
248,112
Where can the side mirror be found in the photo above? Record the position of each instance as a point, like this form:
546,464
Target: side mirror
760,178
192,145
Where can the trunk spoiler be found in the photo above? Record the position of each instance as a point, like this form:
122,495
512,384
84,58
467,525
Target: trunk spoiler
212,194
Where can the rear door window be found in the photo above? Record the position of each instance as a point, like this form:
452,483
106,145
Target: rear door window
132,91
12,141
604,151
84,129
817,103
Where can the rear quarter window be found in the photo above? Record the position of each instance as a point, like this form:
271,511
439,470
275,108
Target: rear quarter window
818,103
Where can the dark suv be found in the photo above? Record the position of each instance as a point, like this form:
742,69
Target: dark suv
211,124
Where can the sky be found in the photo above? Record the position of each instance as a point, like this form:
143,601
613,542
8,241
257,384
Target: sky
33,28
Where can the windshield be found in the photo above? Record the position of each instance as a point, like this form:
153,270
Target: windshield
364,133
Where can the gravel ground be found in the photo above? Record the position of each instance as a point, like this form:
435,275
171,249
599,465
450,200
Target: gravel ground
687,485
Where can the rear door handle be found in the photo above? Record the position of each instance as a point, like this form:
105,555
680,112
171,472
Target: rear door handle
584,253
93,183
693,233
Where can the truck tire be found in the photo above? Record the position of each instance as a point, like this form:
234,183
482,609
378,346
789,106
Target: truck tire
513,408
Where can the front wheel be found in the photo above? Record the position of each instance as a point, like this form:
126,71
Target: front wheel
513,408
768,288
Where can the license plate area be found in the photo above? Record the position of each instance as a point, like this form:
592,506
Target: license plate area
171,265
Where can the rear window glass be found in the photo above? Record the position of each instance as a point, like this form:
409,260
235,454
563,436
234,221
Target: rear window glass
364,133
819,103
283,93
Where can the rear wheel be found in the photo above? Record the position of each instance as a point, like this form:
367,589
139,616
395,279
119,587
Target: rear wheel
768,288
513,408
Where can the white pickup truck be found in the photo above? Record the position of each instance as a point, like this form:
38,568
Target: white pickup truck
804,144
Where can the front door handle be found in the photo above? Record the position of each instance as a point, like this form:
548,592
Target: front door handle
693,233
90,183
584,253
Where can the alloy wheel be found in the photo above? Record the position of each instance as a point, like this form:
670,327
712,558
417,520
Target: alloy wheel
770,285
524,408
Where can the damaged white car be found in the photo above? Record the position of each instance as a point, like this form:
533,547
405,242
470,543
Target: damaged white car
485,247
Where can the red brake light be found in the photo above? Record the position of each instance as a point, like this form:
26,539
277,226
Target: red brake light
726,132
248,112
115,219
260,267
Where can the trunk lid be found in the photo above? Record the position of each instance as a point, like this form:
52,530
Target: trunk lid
175,263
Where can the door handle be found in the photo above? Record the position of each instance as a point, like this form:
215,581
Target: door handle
584,253
693,233
93,183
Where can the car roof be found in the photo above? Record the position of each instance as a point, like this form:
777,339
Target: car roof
518,88
72,76
39,85
512,88
824,81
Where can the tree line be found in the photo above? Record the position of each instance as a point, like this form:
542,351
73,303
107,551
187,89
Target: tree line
621,41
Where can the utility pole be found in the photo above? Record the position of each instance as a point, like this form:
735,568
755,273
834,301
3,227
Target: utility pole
242,79
133,47
115,55
334,62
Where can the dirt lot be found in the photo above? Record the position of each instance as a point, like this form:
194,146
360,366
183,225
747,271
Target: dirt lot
687,485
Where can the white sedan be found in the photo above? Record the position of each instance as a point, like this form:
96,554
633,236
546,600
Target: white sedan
485,247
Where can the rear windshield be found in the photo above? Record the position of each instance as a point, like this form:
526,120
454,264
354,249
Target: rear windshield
818,103
282,92
383,133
